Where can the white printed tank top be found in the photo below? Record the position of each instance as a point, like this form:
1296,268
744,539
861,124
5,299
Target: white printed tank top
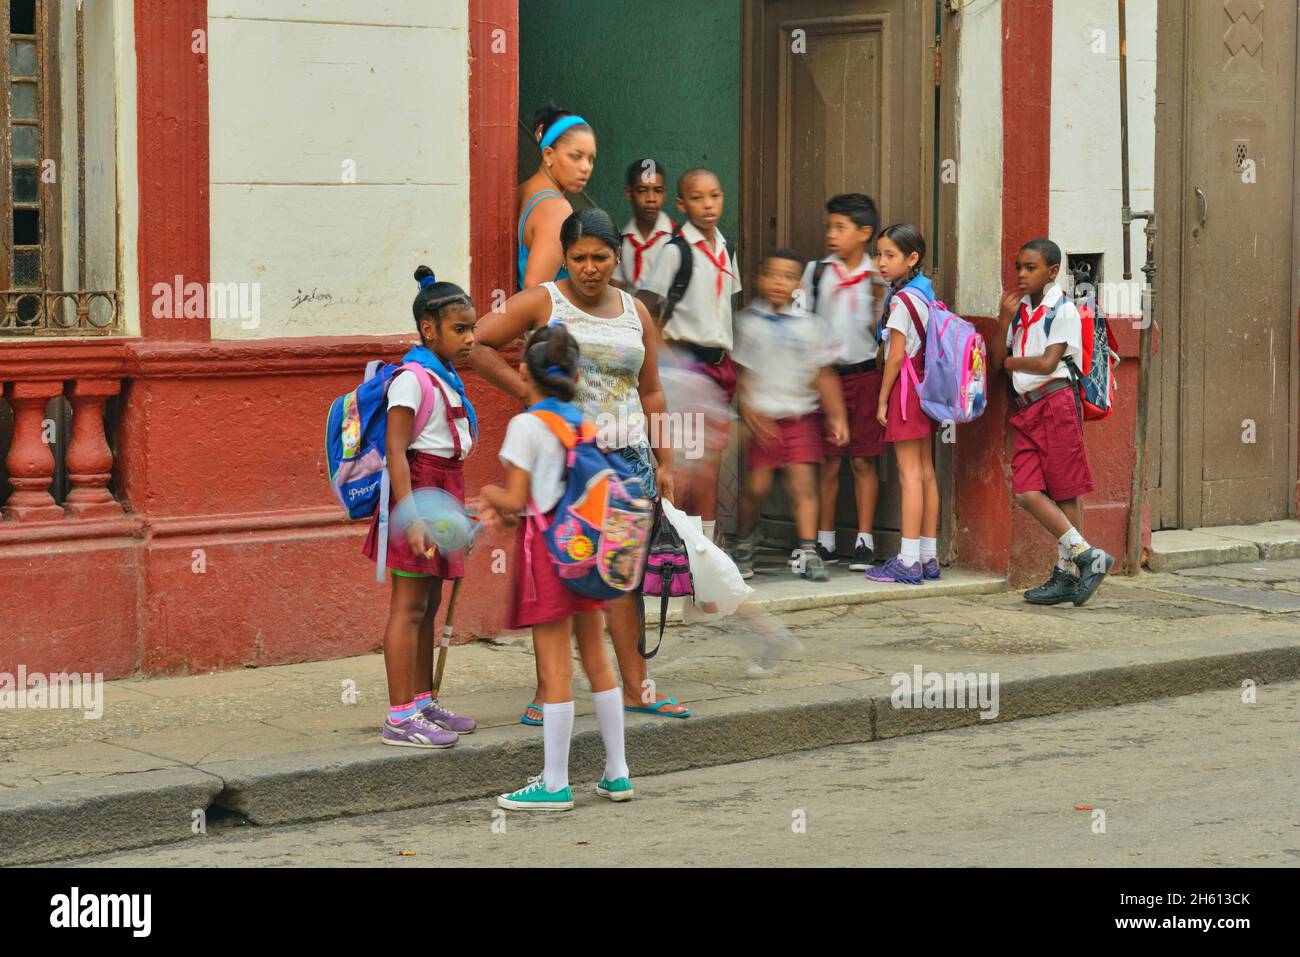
611,352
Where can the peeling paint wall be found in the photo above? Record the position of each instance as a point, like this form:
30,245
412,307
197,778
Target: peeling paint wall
304,94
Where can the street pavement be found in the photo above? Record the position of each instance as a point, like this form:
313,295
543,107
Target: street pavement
1200,780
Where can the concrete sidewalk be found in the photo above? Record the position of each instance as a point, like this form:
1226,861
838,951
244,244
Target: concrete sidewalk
280,744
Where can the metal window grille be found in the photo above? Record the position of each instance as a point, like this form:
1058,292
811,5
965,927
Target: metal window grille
35,298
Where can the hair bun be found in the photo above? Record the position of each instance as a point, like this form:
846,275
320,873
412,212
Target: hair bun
422,273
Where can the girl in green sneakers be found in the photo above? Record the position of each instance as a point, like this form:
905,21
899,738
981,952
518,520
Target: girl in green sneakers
535,462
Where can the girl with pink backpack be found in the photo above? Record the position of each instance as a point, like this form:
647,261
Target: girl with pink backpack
907,312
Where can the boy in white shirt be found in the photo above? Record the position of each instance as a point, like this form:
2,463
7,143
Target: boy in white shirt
785,379
843,289
1039,326
649,229
696,321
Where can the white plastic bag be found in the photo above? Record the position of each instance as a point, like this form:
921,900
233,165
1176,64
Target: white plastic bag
717,581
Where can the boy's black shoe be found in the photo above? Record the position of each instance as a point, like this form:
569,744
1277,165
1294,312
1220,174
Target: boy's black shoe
1062,586
1093,566
863,558
829,556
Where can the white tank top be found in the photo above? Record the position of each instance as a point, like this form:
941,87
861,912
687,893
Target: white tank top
611,354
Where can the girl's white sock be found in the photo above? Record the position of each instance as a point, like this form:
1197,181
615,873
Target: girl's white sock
929,548
1073,541
609,715
865,538
826,540
910,552
557,731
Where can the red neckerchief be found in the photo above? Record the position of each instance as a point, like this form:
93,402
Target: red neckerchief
1026,321
845,280
719,264
640,250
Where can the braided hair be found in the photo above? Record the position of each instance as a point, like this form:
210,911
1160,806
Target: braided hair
434,297
551,355
909,240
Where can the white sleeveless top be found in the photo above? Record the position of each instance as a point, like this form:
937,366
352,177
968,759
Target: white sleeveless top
611,352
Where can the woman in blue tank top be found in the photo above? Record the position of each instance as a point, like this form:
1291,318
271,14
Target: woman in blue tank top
568,157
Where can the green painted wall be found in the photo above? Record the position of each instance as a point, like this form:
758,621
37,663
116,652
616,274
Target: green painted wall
657,79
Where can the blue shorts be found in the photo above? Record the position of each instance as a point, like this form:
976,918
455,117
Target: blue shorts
637,458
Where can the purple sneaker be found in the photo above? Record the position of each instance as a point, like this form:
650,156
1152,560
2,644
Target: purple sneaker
895,571
930,570
416,732
435,713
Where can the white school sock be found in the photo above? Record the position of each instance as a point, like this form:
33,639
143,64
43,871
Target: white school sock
1073,541
557,731
1063,557
910,551
929,548
707,528
609,715
826,540
865,538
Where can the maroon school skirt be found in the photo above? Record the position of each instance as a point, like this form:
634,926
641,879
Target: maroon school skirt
918,424
539,594
427,471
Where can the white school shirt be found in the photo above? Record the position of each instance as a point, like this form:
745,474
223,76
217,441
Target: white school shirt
1032,339
849,311
781,359
900,320
532,446
703,317
659,236
435,437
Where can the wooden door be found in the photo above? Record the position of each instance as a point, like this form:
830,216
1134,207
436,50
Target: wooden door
1226,427
839,98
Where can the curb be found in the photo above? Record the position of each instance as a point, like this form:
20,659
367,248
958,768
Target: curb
91,817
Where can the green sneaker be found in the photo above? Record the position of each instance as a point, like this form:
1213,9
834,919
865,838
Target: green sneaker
533,796
619,789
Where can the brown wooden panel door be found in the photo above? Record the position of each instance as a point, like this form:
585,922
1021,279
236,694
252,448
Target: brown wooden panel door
839,99
1235,300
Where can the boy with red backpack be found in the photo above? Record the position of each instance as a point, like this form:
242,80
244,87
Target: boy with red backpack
1040,342
579,540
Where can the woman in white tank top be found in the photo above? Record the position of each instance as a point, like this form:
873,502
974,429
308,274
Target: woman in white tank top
618,389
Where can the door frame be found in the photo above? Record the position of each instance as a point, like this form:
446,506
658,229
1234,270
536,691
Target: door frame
1169,457
753,167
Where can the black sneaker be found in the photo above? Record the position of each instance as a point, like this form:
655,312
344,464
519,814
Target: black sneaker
829,556
863,558
1062,586
1093,566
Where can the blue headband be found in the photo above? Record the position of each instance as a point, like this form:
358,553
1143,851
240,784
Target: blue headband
428,281
556,370
558,128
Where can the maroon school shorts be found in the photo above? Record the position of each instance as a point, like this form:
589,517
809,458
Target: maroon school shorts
723,374
1049,454
427,471
798,442
866,434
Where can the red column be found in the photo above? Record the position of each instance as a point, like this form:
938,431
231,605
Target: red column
30,462
90,461
493,113
172,104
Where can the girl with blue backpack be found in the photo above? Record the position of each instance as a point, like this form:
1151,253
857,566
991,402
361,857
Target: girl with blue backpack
429,457
537,462
907,311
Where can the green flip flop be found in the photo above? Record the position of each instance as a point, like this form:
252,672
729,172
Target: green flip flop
656,708
524,719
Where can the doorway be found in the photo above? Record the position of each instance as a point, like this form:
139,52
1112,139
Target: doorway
1223,416
840,97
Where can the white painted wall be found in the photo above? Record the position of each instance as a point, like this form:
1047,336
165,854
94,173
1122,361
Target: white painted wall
979,159
1084,211
297,89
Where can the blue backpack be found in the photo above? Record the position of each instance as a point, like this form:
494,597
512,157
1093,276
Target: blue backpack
598,534
356,431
